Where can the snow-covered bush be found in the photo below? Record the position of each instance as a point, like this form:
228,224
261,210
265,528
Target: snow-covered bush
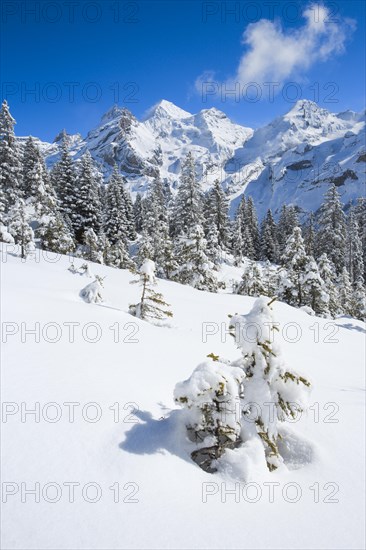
92,293
228,405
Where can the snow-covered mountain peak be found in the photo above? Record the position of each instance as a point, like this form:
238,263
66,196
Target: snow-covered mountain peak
112,113
71,139
167,109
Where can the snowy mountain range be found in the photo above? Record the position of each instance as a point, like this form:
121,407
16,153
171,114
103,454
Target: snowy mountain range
291,160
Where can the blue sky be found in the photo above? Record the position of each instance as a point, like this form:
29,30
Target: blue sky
83,56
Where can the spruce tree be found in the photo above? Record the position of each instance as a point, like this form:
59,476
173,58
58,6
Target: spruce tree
137,212
187,212
55,235
10,160
89,205
345,292
238,243
219,397
360,211
295,260
358,300
195,268
116,226
217,213
250,221
117,256
92,248
251,283
67,189
328,276
269,241
310,236
354,249
332,229
314,294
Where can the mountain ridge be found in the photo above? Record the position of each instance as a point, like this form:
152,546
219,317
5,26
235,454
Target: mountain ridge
305,141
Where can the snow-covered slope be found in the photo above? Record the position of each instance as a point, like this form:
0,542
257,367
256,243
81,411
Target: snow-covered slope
291,160
115,363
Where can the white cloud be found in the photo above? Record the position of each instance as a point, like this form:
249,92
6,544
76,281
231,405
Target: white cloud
273,54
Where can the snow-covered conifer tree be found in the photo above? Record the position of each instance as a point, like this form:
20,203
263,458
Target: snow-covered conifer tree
10,163
314,294
287,222
92,247
55,235
20,229
250,221
195,268
66,186
240,405
345,291
269,240
217,208
295,260
152,304
310,236
332,229
115,222
188,211
328,276
117,256
89,205
138,213
354,249
358,300
251,283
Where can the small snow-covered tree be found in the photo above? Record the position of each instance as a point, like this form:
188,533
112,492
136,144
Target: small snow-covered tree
152,304
328,276
232,405
20,229
211,401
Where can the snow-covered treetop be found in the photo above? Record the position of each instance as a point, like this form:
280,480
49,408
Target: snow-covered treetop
148,269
